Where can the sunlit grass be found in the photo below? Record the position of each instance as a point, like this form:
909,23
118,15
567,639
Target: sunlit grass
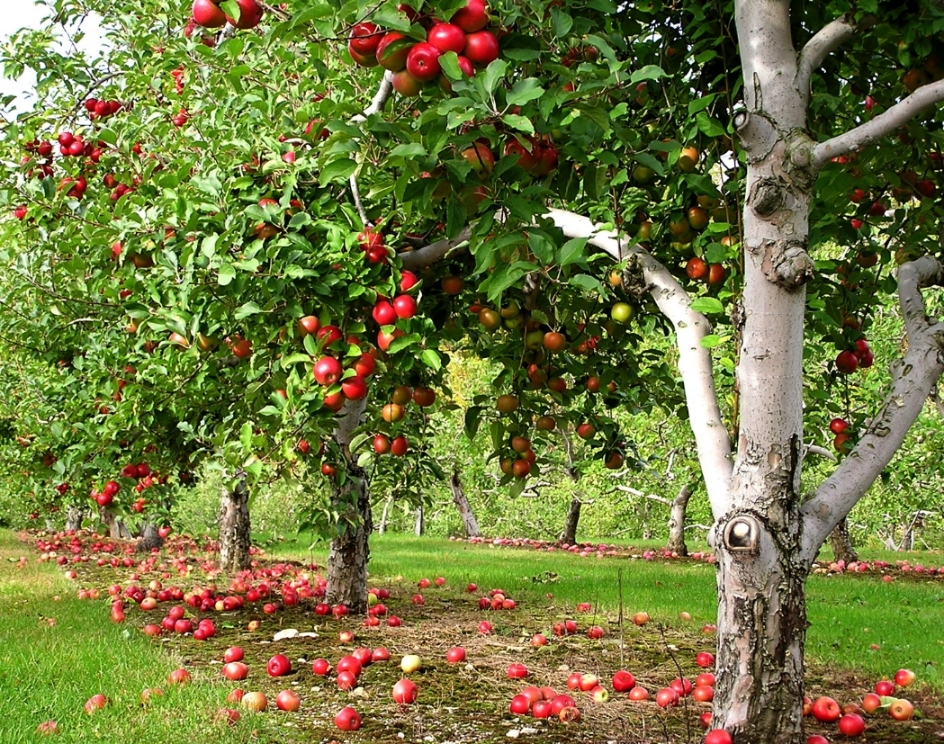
57,651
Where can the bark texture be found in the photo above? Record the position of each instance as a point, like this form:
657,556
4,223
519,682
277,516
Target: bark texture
841,542
349,551
150,539
677,522
419,521
117,529
74,517
235,527
569,533
470,524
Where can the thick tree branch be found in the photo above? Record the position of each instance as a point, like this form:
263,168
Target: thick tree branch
380,98
711,436
885,123
913,379
827,40
430,254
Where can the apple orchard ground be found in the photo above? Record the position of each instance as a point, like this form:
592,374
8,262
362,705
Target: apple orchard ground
465,702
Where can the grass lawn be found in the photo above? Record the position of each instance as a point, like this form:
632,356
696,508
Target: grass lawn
862,629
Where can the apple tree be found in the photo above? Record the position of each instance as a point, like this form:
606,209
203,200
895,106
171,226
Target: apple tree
544,184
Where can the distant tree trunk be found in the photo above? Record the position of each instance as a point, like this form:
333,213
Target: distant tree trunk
384,515
841,541
235,527
149,539
569,535
419,521
74,516
469,522
117,529
349,552
677,522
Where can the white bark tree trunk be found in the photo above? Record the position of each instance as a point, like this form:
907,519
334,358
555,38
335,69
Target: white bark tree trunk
677,522
349,551
470,524
235,527
74,516
419,521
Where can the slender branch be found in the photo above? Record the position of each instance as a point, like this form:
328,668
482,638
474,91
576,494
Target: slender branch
815,449
380,98
827,40
885,123
430,254
642,494
356,196
711,436
913,378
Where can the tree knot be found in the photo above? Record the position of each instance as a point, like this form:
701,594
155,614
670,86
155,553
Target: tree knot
767,197
786,263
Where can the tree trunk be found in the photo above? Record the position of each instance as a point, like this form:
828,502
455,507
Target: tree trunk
677,522
841,541
419,521
569,535
150,539
349,552
761,632
117,529
469,522
235,527
74,516
384,516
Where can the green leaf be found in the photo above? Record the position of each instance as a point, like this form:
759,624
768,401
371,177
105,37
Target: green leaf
708,126
247,309
542,247
585,281
226,274
521,123
494,74
245,436
563,22
649,72
573,251
707,305
650,161
408,151
525,90
337,170
473,417
299,220
431,359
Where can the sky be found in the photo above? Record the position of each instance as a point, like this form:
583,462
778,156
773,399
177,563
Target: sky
17,14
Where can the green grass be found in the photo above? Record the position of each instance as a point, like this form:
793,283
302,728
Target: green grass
47,672
847,614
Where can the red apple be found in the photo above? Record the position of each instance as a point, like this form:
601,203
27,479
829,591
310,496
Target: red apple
347,719
851,724
481,47
328,370
287,700
446,37
901,710
235,670
884,688
278,666
320,667
905,677
422,62
472,17
826,709
208,14
404,692
623,681
718,736
455,655
250,14
365,37
392,51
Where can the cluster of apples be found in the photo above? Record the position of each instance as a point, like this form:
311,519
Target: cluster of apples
416,62
861,357
848,717
545,703
101,108
209,14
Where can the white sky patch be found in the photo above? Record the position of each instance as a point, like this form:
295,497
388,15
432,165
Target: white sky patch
19,14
